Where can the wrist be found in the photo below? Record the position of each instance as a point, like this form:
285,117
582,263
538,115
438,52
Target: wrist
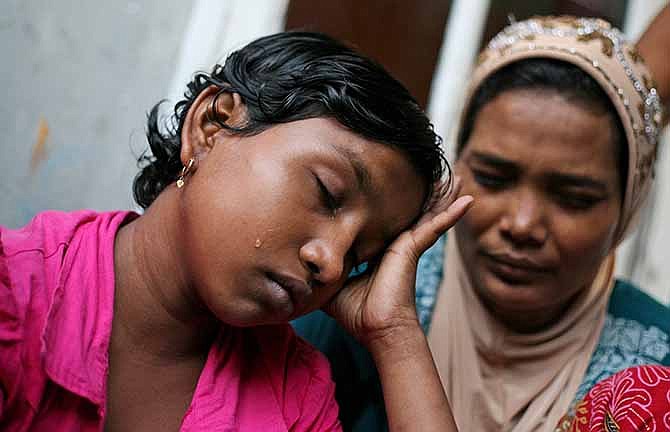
399,341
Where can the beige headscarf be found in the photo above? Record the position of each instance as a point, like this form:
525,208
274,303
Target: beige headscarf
498,380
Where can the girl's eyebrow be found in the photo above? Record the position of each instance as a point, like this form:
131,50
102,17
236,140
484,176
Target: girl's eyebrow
363,180
363,177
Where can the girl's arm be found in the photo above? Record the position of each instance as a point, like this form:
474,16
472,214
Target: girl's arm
378,309
413,393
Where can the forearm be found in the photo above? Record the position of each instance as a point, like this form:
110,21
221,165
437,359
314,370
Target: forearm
654,46
413,393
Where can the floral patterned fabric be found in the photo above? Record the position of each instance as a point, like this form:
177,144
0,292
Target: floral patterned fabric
624,343
635,399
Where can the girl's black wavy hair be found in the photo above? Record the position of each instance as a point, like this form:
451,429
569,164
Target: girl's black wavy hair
294,76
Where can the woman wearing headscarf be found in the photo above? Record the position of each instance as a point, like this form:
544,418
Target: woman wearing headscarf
557,144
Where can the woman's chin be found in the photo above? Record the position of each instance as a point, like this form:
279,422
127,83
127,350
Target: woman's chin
512,295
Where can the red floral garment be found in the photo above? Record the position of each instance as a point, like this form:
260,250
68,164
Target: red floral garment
635,399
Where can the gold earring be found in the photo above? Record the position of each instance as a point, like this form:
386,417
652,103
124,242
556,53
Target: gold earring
184,172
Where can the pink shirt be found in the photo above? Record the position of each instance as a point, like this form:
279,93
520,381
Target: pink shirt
56,304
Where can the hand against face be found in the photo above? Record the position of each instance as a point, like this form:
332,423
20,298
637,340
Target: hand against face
381,300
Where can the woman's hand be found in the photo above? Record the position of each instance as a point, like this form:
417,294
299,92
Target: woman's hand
380,301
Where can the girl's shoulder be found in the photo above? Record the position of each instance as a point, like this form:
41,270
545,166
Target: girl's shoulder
36,270
35,256
44,233
50,231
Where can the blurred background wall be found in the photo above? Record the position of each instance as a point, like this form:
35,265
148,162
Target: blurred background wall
79,78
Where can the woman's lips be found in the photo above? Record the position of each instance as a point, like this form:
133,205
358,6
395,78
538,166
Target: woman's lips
516,269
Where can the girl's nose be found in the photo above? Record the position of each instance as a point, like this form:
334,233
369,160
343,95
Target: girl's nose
323,259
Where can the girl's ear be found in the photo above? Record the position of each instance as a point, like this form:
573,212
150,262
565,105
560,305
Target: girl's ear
203,121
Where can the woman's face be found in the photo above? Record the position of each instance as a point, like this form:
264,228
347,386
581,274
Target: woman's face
274,223
543,171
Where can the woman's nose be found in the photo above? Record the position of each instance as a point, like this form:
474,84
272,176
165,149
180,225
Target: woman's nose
524,220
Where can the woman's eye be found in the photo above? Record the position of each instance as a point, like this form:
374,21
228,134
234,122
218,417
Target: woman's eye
489,180
573,201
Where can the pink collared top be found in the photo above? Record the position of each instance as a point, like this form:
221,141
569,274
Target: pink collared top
56,309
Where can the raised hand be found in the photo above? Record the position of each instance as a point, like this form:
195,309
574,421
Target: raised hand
382,299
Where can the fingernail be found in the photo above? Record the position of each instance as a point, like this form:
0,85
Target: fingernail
466,200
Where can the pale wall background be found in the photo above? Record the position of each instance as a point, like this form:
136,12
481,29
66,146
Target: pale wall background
90,70
79,78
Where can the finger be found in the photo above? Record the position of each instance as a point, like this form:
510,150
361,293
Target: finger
442,199
450,191
427,233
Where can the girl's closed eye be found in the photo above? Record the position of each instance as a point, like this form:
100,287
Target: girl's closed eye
328,198
332,190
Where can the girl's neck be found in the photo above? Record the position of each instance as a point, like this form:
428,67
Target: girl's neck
156,311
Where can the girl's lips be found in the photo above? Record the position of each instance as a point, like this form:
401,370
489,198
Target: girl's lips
298,290
277,299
